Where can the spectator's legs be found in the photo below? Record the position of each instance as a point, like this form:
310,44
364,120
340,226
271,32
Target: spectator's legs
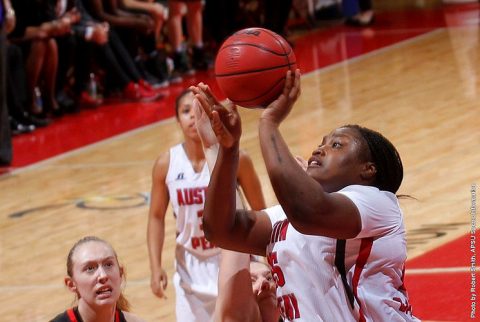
123,57
5,136
175,32
33,67
50,76
195,23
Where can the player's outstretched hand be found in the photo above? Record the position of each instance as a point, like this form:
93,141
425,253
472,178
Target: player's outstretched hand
278,110
224,118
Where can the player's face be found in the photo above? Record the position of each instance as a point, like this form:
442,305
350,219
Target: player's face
186,116
96,274
337,161
263,285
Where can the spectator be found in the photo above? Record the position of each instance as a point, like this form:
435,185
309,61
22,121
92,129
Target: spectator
194,20
7,23
35,31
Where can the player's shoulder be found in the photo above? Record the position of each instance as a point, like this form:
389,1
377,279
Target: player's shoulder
62,317
130,317
160,167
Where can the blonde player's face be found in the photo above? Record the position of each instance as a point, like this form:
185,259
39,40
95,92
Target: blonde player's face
263,285
186,116
96,275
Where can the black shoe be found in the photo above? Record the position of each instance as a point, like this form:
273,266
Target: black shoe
19,128
35,120
65,102
181,63
157,64
199,59
355,22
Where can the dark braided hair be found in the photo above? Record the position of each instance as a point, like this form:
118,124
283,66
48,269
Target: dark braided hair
385,156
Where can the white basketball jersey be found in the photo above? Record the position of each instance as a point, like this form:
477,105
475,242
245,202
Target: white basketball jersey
372,265
187,190
309,287
196,259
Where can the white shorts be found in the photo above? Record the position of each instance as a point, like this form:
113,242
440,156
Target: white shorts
196,288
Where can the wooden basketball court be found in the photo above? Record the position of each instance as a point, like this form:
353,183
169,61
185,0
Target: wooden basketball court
422,93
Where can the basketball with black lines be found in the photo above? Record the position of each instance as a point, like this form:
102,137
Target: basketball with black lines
251,65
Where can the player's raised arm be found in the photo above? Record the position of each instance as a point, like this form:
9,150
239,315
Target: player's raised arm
309,208
242,230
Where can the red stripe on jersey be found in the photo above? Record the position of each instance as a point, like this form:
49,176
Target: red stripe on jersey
71,315
365,250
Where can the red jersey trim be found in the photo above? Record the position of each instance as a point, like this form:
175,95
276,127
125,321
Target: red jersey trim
364,253
71,315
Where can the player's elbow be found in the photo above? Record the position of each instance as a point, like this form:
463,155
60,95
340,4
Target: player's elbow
210,233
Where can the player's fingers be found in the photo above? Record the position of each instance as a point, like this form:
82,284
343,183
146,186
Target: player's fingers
204,104
210,95
288,83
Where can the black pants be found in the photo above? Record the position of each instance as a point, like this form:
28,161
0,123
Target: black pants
218,24
113,57
276,15
5,135
16,87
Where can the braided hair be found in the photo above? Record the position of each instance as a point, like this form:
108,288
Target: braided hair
385,156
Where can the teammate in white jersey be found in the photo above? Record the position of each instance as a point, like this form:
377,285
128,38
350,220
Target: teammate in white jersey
336,242
180,177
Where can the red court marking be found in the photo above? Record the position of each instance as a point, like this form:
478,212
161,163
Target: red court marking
315,50
444,296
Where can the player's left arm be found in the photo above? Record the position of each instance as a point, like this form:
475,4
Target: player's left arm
250,183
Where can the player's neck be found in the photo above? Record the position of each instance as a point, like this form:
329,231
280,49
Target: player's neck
90,315
194,153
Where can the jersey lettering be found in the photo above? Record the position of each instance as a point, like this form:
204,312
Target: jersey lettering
289,306
279,231
202,242
276,269
404,307
191,196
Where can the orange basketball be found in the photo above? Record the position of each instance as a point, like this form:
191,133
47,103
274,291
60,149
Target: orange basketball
251,65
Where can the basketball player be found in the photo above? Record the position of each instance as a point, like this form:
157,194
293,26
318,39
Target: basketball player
336,243
181,176
95,276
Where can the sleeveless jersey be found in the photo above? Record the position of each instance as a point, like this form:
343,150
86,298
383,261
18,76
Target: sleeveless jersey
369,267
72,315
187,195
309,287
196,259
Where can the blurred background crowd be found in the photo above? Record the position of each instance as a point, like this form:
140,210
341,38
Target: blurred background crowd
60,56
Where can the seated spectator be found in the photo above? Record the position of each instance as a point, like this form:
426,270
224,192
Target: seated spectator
135,29
98,44
194,20
21,121
155,10
35,31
